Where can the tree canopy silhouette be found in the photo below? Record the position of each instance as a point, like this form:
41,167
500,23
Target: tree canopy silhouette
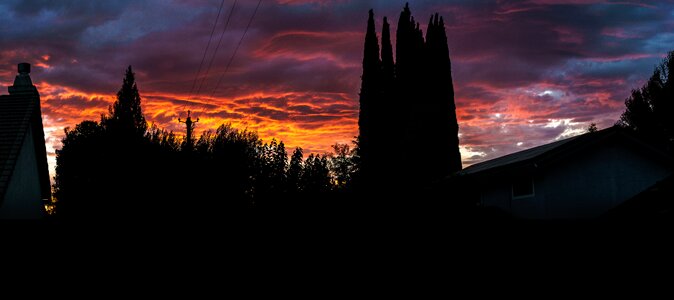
649,109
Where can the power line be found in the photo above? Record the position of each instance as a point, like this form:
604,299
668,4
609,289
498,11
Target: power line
196,77
210,64
237,48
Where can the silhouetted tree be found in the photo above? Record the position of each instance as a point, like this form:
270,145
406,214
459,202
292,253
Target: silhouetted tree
295,169
649,110
342,165
126,115
272,177
389,114
236,165
441,122
638,114
279,163
163,139
406,58
592,128
388,66
408,99
370,97
76,180
162,164
316,175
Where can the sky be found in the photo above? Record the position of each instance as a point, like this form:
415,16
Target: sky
525,73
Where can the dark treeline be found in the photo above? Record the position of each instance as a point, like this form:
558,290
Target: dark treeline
119,168
649,109
409,101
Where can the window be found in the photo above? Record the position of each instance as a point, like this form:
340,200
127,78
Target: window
523,187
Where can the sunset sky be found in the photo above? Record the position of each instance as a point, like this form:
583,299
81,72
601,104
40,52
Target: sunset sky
525,72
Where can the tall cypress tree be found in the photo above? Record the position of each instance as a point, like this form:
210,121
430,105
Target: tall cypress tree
443,121
403,45
410,100
403,91
388,68
389,111
370,93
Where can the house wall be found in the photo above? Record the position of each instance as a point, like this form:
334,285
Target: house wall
498,193
597,181
584,186
23,198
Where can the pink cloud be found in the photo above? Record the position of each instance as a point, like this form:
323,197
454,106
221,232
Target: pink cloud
618,33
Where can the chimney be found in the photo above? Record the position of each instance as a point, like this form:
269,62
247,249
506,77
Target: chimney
24,68
22,82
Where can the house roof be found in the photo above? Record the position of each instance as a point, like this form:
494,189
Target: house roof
539,156
516,157
19,112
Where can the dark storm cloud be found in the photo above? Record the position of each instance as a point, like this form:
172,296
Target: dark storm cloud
534,39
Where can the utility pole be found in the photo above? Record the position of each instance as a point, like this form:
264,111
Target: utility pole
190,128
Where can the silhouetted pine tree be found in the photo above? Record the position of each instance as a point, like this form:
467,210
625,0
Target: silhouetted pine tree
125,115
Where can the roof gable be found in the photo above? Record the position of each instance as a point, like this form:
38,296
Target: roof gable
20,112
